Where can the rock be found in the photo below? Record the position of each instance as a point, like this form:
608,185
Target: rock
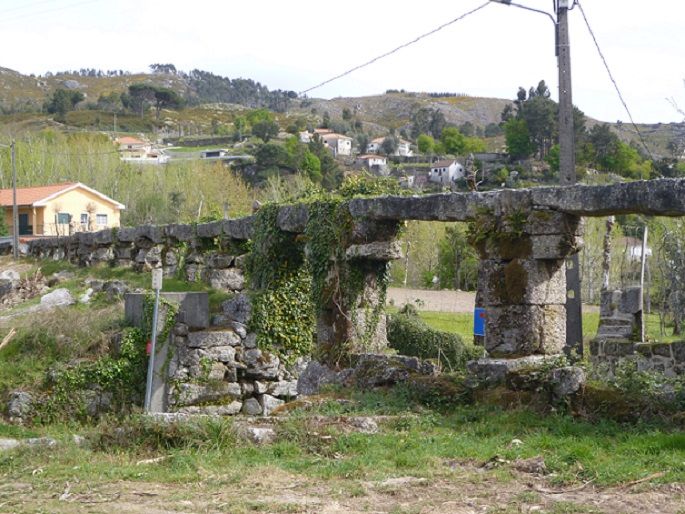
534,465
40,441
231,279
313,377
240,329
6,287
293,218
251,407
57,298
193,394
115,289
269,404
224,354
229,409
97,402
363,424
210,339
238,308
12,276
567,381
259,387
87,296
71,84
20,405
373,370
8,444
283,388
78,440
250,341
258,435
495,371
375,251
260,365
519,330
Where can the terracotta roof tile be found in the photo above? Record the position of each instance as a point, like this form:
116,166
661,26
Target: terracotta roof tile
30,195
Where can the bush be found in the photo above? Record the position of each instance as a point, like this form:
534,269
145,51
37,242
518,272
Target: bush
410,335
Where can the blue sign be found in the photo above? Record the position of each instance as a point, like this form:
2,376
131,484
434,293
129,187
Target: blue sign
479,321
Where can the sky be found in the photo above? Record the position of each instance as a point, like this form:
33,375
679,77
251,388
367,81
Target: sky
295,45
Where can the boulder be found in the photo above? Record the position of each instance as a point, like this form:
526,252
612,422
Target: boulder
238,308
251,407
269,404
567,381
57,298
20,405
314,377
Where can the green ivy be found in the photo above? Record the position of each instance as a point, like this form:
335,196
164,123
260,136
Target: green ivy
121,376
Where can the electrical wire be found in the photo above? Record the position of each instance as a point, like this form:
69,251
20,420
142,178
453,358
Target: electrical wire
611,77
24,6
397,49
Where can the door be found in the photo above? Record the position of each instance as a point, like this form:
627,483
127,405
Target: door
24,228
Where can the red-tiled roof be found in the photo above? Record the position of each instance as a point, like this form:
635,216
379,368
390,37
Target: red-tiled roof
29,195
128,140
443,164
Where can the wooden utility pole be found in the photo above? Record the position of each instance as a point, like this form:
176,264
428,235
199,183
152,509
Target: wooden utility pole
567,173
15,209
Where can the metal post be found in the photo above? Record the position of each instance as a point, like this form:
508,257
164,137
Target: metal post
15,209
643,256
567,176
157,285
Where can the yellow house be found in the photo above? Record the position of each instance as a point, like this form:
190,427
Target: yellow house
60,209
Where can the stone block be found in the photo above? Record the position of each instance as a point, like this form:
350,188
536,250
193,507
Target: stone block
260,365
103,237
214,338
239,229
209,230
230,409
284,388
223,354
193,394
126,234
238,308
609,303
631,300
597,347
231,279
375,251
547,222
520,330
679,351
193,308
147,236
494,371
179,233
554,246
662,350
618,348
269,404
567,381
219,260
293,218
251,407
522,281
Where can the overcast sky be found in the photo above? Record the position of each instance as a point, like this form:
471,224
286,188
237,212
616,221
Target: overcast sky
299,43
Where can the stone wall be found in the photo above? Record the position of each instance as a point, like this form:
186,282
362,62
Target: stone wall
667,358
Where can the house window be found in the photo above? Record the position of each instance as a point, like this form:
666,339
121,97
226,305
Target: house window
63,218
84,219
101,219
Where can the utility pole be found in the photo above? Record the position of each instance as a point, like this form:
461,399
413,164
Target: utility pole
567,173
15,209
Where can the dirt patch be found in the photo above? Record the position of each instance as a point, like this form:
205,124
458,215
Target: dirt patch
463,489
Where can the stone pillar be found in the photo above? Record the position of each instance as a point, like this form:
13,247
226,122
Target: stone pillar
353,320
521,282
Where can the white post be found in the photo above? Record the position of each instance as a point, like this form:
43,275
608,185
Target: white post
156,285
642,284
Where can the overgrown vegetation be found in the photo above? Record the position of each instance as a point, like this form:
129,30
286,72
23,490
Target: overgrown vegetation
410,335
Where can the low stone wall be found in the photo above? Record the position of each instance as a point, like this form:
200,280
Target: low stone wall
213,252
667,358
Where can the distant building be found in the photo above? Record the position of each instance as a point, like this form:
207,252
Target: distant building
446,172
132,149
337,143
213,154
60,209
403,147
376,163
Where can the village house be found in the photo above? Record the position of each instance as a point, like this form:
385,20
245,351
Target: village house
337,143
446,172
60,209
403,147
375,163
132,149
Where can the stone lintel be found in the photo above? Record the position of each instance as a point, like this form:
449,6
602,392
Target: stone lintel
376,251
495,371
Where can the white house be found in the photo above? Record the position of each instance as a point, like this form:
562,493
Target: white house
371,162
446,172
403,147
337,143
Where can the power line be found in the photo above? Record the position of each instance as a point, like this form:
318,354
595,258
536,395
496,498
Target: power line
24,6
611,77
397,49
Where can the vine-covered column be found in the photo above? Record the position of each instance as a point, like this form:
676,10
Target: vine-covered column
348,260
522,281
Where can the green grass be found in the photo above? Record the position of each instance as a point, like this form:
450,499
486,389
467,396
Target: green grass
462,323
415,445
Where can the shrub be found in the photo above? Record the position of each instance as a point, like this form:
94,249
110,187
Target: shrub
410,335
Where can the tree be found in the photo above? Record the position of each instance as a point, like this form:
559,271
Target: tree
63,101
453,140
265,130
141,96
166,98
425,144
389,145
427,121
518,140
346,114
467,128
492,130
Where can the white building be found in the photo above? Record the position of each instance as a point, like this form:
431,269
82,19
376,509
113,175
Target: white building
403,147
337,143
446,172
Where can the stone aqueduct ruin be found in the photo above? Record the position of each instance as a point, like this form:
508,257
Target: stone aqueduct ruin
524,238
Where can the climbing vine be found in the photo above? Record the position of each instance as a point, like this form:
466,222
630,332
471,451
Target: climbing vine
120,378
